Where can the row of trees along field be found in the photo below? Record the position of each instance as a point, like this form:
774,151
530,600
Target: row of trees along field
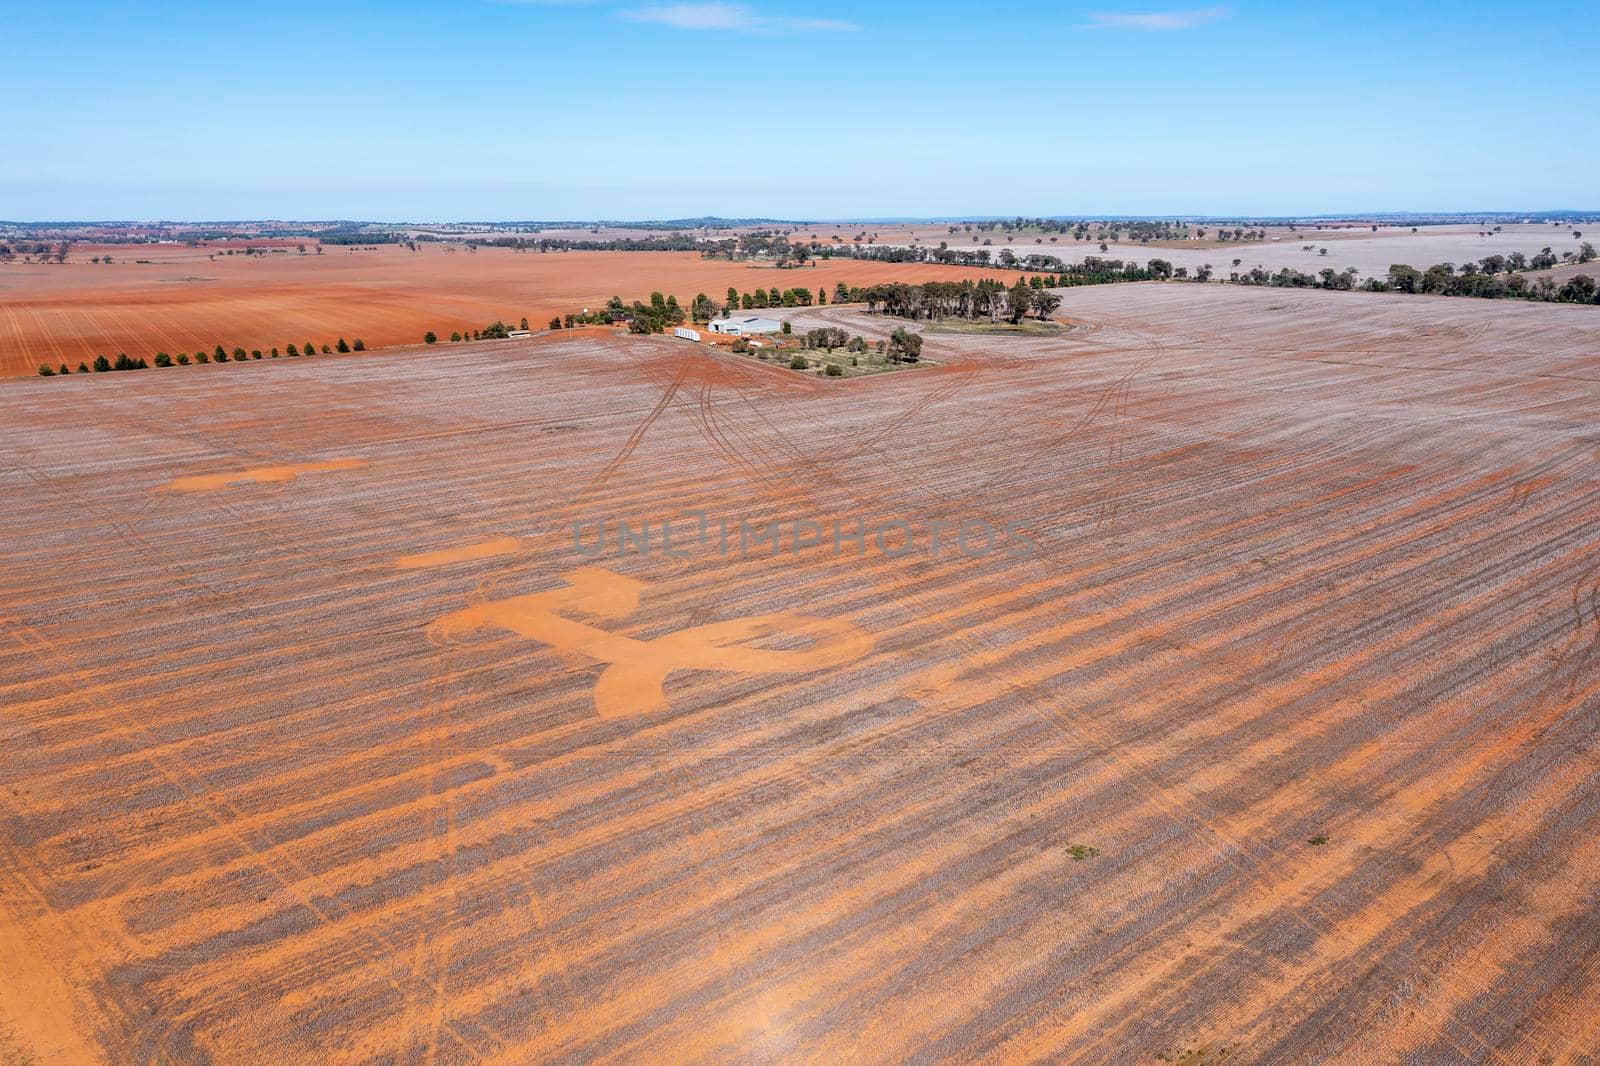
985,298
1444,279
1080,229
217,355
29,250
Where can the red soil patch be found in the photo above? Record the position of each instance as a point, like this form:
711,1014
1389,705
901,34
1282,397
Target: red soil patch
183,301
1310,566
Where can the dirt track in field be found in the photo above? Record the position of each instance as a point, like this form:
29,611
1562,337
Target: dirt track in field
368,762
184,301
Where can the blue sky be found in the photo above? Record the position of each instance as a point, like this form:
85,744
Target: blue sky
634,109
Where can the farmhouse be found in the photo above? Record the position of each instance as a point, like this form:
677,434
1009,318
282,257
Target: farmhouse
743,327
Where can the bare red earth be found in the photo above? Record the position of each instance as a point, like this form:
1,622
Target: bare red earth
324,743
192,299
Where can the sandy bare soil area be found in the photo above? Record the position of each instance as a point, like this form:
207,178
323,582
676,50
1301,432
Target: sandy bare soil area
185,300
1270,738
1370,253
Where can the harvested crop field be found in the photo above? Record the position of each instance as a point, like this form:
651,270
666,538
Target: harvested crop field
190,299
1268,737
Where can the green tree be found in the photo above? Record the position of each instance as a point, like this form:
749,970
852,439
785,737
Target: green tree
1403,278
1019,300
359,345
342,346
430,337
45,371
101,364
454,335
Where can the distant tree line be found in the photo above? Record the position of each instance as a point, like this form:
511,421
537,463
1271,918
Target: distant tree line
1496,277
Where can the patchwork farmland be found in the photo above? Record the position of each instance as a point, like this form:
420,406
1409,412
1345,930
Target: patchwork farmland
327,739
184,300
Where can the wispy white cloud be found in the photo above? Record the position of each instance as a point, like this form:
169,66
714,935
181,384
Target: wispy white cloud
733,18
1158,21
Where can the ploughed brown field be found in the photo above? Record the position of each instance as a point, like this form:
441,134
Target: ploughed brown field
325,743
185,301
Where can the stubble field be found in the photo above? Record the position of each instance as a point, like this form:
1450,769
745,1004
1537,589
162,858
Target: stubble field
326,742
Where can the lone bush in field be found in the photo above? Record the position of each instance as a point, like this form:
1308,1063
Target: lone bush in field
834,370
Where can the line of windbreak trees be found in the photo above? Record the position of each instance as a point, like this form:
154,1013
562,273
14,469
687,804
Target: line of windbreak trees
1442,279
985,298
219,354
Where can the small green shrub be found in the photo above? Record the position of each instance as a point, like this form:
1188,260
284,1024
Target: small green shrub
799,362
430,337
1080,852
163,359
1317,841
46,372
101,364
183,360
834,370
359,345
